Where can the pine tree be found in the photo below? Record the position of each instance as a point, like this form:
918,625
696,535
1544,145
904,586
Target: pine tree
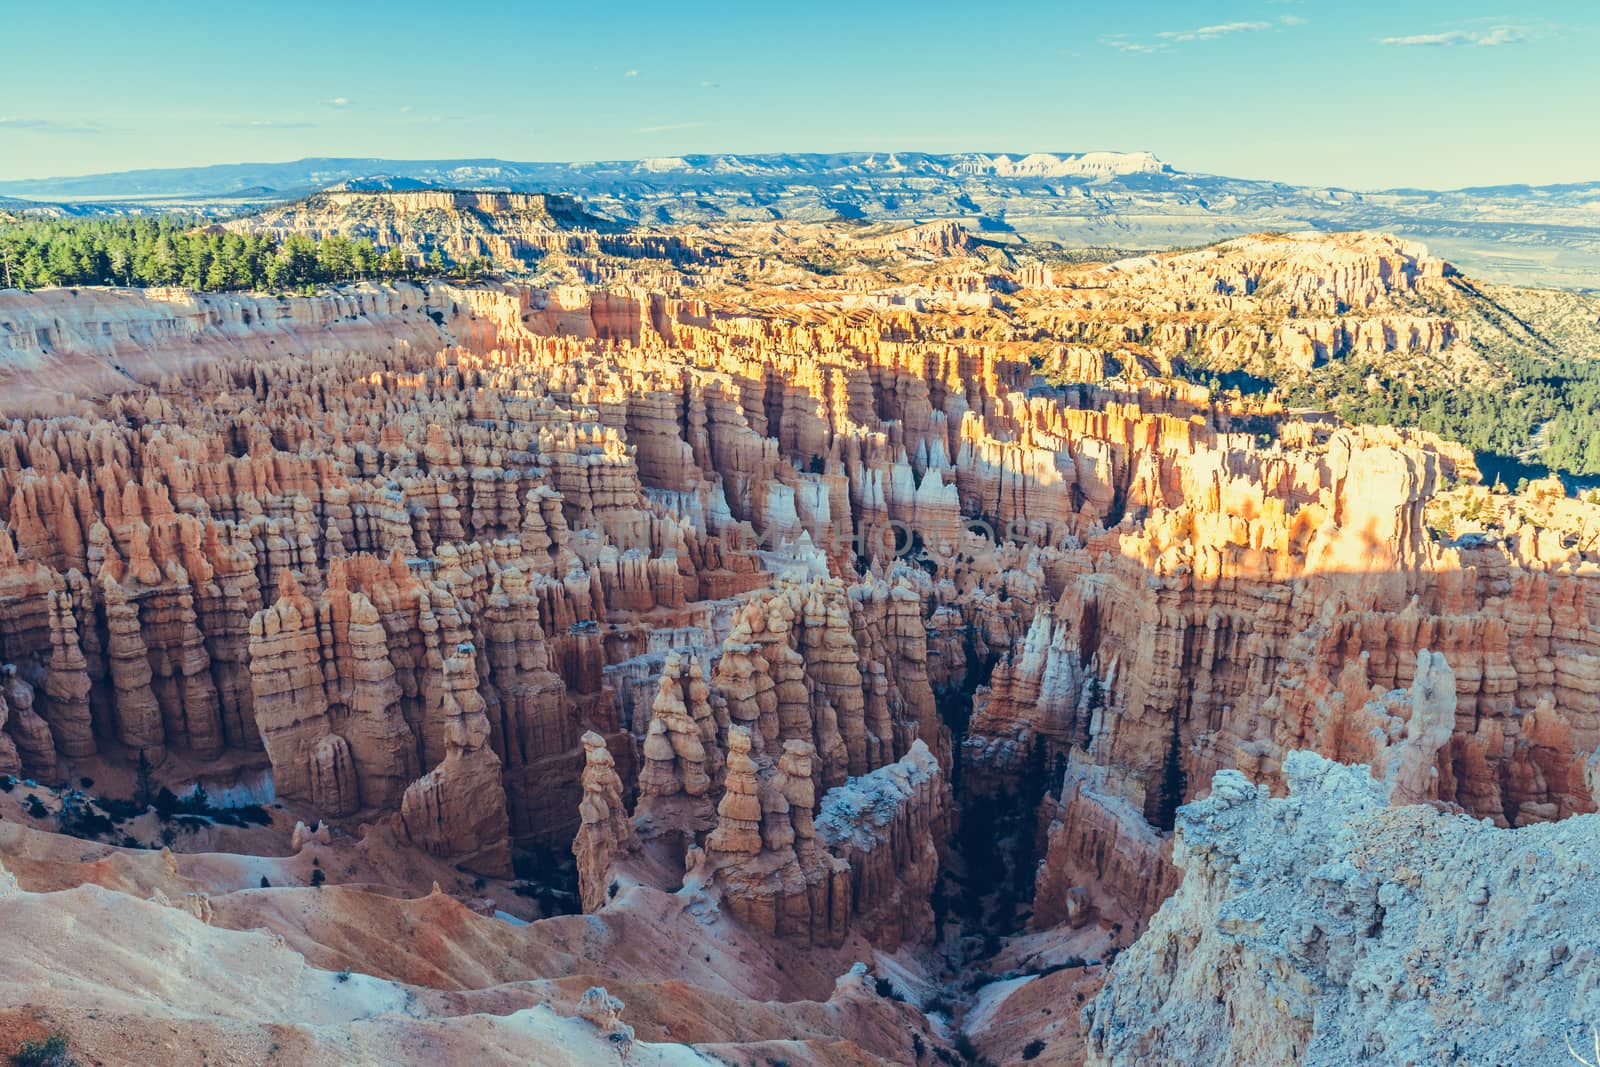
1169,793
144,788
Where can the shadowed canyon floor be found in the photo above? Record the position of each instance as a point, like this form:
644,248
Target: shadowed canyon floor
784,644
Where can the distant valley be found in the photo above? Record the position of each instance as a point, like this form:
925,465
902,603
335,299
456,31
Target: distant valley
1518,234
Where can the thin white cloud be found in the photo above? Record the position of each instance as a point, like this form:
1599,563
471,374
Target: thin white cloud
1211,33
710,85
17,122
269,124
1503,35
630,73
1166,39
666,127
339,101
423,120
1490,38
1121,43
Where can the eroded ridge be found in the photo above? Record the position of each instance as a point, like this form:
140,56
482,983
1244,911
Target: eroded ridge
751,584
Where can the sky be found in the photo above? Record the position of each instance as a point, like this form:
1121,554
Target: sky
1353,93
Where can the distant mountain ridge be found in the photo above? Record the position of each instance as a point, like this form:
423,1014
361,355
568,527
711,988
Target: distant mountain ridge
1546,235
227,179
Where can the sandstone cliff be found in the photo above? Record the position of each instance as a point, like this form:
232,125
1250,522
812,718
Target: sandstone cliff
737,578
1329,928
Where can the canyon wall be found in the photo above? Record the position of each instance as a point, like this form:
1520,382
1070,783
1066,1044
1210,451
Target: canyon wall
409,547
66,346
1224,636
1327,927
509,230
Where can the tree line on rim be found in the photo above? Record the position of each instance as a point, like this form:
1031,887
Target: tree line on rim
150,250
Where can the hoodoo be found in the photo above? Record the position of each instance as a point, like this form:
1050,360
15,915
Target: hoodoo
783,642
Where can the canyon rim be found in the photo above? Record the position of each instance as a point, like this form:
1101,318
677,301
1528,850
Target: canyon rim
812,608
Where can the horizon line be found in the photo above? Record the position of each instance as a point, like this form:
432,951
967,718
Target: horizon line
992,154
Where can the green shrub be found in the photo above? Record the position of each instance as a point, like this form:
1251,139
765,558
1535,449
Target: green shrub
48,1051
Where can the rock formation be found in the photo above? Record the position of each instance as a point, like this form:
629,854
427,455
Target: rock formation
674,788
865,858
887,826
1327,927
778,556
459,807
1409,772
604,831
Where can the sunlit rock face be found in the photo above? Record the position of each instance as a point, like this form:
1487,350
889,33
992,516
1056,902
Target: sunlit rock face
750,582
1324,928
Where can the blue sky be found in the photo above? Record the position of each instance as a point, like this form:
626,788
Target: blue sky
1441,93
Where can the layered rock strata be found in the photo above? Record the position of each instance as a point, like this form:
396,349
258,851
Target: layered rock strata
406,545
1327,927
